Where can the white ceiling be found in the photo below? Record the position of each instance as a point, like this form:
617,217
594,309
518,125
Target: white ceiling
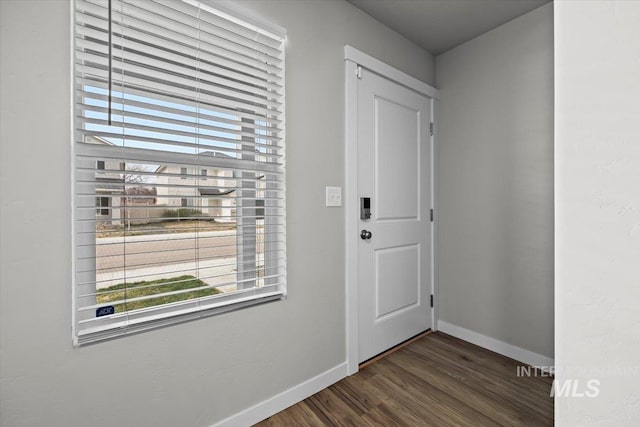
439,25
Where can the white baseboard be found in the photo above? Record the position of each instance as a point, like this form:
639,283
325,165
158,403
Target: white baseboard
501,347
281,401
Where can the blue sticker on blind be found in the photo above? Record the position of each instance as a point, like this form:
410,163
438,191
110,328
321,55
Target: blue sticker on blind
105,311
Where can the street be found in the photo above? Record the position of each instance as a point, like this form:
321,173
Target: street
162,249
210,256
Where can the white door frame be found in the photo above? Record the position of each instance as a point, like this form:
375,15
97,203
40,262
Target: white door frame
354,58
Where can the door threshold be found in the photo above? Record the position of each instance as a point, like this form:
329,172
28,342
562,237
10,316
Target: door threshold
394,349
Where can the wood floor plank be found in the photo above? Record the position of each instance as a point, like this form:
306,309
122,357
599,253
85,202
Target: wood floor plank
472,358
297,415
381,415
351,390
437,380
463,364
394,400
328,404
483,401
488,359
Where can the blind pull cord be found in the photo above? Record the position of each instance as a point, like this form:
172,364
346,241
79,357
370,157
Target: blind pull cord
110,65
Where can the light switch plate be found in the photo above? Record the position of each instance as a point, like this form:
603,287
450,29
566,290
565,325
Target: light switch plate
333,196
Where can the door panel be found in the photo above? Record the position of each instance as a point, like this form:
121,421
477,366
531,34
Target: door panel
391,263
394,265
397,161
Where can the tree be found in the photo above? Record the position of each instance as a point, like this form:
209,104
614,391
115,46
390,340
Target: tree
136,187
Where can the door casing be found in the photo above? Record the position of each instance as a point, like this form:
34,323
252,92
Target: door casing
354,59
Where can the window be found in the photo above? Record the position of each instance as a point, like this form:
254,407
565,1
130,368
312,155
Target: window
162,90
102,206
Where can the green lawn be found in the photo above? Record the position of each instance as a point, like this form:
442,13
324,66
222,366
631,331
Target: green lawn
145,288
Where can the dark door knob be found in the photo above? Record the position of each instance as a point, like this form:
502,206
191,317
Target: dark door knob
365,235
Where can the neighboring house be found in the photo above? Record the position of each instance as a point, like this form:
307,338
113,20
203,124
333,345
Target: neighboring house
109,186
119,198
209,190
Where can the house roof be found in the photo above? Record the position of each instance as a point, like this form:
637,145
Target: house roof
99,140
206,153
214,192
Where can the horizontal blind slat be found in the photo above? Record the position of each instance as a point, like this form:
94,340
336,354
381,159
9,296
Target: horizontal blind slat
98,40
138,155
200,140
87,91
104,287
129,63
265,290
186,123
134,139
151,81
200,137
171,293
216,20
134,16
182,14
176,63
218,59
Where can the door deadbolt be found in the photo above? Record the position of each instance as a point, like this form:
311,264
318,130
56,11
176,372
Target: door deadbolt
365,235
365,207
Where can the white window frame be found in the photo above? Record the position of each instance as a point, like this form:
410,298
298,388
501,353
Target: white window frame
185,310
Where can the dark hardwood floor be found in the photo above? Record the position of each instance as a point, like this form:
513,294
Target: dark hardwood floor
437,380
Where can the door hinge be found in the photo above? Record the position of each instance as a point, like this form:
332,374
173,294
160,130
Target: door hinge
431,215
359,72
431,300
431,128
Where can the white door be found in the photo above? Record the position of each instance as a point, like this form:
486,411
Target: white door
394,171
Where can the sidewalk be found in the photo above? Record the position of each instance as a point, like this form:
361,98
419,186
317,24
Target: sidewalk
224,269
164,236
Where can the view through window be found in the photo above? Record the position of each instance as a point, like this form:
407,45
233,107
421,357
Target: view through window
179,165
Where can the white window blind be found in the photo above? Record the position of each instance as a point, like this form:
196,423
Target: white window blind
179,186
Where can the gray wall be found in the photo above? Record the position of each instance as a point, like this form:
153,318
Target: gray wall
597,119
495,183
200,372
